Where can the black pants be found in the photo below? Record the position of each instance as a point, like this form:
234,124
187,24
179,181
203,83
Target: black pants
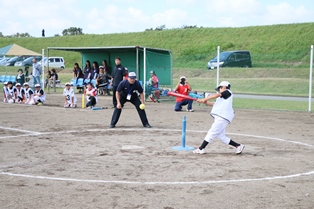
136,102
92,101
114,98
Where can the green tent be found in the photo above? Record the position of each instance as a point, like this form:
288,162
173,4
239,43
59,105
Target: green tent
136,58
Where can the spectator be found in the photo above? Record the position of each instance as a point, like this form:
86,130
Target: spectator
70,98
106,66
39,95
91,95
36,71
103,80
12,93
20,78
29,95
48,78
26,74
77,72
54,77
87,70
95,71
117,76
153,86
5,92
183,88
20,93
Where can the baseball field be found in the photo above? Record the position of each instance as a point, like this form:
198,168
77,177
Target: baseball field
52,157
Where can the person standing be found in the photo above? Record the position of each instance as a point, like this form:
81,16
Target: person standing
36,71
183,87
127,92
223,113
118,75
20,78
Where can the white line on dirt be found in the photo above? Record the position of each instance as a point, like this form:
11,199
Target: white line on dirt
19,130
159,182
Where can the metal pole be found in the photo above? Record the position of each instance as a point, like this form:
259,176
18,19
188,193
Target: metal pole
144,79
311,78
43,68
137,64
183,131
218,60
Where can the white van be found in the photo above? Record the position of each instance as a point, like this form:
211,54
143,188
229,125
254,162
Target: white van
54,62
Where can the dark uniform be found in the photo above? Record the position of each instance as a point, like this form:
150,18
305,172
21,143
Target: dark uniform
117,75
128,93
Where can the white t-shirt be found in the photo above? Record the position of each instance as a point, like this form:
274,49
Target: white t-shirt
223,106
69,94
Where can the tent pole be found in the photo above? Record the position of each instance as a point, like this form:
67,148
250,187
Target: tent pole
137,67
144,79
43,68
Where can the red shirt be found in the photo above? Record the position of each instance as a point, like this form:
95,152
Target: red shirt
182,89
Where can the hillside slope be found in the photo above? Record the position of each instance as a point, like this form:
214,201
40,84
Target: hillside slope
275,45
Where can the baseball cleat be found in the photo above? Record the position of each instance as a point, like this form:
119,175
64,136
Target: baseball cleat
199,151
240,149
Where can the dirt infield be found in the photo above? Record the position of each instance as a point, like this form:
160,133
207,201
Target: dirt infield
52,157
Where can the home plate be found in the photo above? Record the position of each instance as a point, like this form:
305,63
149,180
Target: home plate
128,147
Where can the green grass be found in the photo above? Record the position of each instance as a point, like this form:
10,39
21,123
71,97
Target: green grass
270,104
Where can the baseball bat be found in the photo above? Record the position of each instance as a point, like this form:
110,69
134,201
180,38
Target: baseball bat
181,95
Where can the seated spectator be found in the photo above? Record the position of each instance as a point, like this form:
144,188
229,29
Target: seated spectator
5,92
69,96
29,95
20,78
48,78
20,93
87,70
39,95
77,72
105,65
91,95
53,78
153,86
95,71
102,81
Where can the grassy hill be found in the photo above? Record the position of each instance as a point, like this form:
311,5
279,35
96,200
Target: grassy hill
271,46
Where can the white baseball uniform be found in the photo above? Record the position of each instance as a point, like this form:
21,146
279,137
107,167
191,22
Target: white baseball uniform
69,94
29,96
40,98
223,114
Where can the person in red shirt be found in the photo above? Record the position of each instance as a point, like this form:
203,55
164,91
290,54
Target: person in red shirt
183,87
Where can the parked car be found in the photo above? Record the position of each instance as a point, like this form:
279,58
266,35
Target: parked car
4,60
231,59
56,62
13,60
28,61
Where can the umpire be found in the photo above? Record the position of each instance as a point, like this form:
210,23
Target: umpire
118,75
127,92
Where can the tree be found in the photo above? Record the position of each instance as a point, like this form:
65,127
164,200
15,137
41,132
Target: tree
72,31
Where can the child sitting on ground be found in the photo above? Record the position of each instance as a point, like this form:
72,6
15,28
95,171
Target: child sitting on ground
70,98
91,95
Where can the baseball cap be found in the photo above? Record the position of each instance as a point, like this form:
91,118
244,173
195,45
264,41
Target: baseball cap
17,84
25,84
182,77
223,83
67,84
10,82
152,72
126,69
132,75
5,83
37,85
101,67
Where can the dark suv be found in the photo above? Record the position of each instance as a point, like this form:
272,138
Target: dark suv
231,59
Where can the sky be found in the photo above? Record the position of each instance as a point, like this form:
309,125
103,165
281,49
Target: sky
122,16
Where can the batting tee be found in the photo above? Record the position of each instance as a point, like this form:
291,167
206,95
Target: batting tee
138,59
